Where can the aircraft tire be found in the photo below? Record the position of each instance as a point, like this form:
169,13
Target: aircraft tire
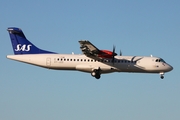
97,76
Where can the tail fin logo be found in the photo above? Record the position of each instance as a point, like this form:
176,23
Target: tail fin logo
24,47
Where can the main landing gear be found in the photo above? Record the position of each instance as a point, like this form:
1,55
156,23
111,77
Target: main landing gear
96,74
161,75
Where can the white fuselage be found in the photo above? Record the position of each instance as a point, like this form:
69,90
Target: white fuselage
86,64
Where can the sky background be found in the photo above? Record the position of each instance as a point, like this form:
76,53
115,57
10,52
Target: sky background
137,27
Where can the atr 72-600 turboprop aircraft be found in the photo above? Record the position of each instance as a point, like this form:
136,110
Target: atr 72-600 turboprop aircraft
93,61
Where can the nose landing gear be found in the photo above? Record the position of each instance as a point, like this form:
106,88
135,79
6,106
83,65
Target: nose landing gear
161,75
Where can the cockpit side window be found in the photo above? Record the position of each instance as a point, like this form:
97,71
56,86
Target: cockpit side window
160,60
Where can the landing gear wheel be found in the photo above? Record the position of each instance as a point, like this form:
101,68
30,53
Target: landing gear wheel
97,76
162,77
93,74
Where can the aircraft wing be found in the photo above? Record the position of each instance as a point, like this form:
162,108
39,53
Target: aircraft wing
89,49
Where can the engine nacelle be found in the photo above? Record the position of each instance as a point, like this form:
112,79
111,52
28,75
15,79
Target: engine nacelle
106,54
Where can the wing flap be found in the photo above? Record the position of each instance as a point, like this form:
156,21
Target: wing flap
89,49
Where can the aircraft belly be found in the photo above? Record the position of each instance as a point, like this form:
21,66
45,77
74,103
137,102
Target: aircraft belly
34,60
84,68
63,66
91,67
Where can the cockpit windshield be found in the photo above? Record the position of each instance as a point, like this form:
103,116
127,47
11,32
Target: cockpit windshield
160,60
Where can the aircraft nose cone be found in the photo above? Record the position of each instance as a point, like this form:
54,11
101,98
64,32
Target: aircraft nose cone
170,68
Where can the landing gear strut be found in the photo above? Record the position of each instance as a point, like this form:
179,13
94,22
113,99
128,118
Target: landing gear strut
96,74
162,75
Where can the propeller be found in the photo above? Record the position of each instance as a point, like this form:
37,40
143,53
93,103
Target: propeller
114,54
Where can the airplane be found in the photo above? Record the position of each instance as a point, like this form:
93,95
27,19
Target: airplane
93,60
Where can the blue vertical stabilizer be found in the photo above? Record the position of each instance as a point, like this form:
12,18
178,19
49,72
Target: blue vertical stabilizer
21,45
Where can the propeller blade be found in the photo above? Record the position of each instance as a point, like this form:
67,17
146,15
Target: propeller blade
114,49
120,53
114,54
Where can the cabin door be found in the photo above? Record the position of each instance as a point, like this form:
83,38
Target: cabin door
48,61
